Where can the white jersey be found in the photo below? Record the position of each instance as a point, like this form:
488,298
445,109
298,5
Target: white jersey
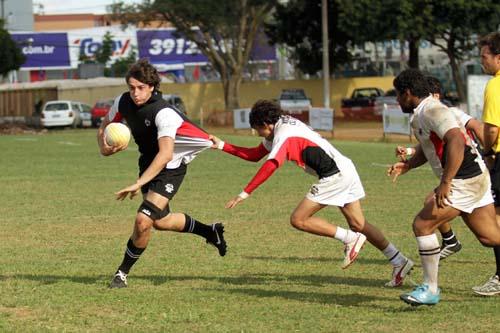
297,142
430,122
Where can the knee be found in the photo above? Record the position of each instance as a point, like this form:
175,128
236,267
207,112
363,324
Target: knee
357,225
489,241
143,223
297,222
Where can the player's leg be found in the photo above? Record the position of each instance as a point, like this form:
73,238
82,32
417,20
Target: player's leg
449,244
149,210
302,219
492,285
181,222
354,216
424,225
167,185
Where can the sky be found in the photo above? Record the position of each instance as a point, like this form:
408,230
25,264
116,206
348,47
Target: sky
74,6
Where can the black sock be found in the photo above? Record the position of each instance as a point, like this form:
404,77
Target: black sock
197,227
132,254
449,237
496,249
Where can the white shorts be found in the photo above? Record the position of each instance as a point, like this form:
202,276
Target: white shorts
469,194
338,190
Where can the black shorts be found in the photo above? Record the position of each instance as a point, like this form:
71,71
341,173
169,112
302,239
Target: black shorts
167,182
495,180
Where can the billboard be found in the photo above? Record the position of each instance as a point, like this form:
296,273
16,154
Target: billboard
166,46
43,50
86,42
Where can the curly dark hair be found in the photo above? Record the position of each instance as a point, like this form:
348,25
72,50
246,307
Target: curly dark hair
492,40
265,112
413,80
144,72
435,86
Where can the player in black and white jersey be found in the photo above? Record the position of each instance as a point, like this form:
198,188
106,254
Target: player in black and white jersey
288,139
167,142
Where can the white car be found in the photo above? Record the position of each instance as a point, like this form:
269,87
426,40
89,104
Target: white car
61,113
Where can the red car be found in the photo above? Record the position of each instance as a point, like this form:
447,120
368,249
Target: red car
99,110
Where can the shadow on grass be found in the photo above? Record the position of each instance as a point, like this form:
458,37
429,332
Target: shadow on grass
253,279
380,261
45,279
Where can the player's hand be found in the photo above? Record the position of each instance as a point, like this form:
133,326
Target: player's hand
397,169
130,191
403,152
107,150
234,201
442,193
215,141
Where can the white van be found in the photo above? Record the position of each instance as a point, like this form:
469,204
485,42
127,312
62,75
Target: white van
61,113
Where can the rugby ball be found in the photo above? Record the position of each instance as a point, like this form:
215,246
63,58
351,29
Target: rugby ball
117,134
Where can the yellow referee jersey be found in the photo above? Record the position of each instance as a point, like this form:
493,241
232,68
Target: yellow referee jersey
491,109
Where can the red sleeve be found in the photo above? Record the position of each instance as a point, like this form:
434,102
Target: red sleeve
249,154
118,118
265,171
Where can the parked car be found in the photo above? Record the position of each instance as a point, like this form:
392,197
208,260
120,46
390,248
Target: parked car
295,103
176,101
99,110
361,104
85,115
61,113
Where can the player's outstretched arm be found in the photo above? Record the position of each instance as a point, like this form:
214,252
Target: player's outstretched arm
254,154
265,171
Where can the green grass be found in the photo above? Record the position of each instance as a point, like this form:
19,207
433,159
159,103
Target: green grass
63,234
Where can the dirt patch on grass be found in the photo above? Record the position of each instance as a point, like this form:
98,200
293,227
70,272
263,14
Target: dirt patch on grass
15,129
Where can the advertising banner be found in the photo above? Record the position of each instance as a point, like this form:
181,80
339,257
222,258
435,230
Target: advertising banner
165,46
395,121
43,50
85,42
476,84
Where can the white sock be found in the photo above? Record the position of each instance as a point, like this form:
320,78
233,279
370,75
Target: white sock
428,248
395,257
345,235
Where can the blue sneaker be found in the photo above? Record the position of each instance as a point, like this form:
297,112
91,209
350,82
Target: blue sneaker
421,295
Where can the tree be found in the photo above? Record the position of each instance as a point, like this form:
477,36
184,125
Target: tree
225,35
104,53
11,57
297,24
375,21
455,27
120,67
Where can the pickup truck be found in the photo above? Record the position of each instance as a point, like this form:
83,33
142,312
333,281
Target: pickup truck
295,103
362,104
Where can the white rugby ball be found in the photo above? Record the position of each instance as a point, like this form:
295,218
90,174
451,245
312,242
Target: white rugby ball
117,134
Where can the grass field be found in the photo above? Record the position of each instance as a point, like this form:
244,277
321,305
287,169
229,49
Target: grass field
63,234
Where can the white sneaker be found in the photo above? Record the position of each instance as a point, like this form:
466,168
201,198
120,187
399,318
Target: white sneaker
119,280
352,249
399,273
490,288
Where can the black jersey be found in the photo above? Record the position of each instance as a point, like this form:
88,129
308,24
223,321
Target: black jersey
155,119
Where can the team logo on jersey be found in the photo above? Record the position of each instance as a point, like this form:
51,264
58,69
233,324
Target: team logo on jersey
169,188
314,190
147,122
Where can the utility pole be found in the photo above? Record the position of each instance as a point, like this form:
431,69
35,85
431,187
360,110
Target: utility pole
3,10
326,66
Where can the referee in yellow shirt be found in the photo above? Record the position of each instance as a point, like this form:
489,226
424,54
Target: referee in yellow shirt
490,61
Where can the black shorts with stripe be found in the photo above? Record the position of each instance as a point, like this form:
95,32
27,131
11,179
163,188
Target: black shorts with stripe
167,182
495,180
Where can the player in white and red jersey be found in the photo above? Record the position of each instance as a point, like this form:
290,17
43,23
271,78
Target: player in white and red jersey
450,244
167,143
464,189
288,139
